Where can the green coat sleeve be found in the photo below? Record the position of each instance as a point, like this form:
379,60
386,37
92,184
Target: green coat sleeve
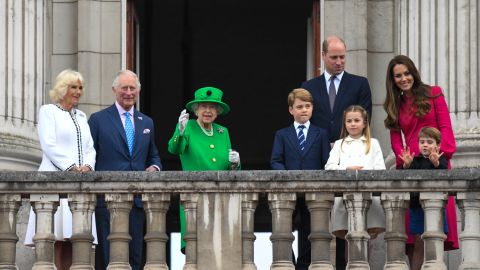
178,143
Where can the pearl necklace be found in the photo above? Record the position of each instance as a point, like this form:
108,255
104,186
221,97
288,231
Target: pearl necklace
207,132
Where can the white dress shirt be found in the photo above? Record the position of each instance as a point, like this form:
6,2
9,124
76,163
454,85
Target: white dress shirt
338,79
305,130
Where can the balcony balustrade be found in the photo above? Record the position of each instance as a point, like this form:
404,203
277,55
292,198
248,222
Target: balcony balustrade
220,210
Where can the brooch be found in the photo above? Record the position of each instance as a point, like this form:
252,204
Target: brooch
220,130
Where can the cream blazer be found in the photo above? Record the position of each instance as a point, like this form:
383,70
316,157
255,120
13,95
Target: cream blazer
352,153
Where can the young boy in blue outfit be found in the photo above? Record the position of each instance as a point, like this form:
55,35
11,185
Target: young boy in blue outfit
301,146
429,158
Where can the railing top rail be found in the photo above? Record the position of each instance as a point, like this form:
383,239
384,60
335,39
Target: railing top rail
456,180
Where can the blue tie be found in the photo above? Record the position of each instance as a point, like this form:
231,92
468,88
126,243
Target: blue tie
129,131
301,137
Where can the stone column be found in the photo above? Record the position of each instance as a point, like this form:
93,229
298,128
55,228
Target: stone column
119,206
9,205
22,82
190,205
433,205
82,207
469,203
156,206
320,205
282,206
44,239
395,204
357,205
249,203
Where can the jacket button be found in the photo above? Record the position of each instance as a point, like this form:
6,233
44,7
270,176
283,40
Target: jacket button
214,159
212,146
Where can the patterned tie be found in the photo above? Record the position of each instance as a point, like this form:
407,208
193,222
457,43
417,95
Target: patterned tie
129,131
301,137
331,92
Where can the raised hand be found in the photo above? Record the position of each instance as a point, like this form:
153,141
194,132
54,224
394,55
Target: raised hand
435,156
406,157
234,158
182,121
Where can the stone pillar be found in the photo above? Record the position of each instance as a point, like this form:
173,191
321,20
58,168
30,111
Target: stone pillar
282,206
469,203
190,205
441,38
433,205
9,205
119,206
357,205
22,82
249,203
44,239
320,205
156,206
82,207
395,204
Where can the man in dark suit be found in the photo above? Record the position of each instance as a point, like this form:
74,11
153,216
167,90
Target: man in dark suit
333,92
124,139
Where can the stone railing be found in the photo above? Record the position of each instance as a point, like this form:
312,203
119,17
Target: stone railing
229,199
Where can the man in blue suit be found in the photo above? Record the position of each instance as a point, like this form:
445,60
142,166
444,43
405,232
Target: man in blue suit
124,139
333,92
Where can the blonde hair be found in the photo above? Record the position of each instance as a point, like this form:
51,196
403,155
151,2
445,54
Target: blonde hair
301,94
366,130
62,82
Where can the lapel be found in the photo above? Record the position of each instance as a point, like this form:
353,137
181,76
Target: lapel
342,91
311,136
117,123
324,99
138,120
293,140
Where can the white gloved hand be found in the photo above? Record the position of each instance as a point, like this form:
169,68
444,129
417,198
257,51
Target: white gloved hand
234,157
182,121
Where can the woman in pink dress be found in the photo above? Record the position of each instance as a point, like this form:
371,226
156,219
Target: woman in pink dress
411,105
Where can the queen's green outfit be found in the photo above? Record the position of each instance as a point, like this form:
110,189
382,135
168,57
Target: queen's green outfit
202,149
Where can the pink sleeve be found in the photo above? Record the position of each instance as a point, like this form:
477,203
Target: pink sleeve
444,123
397,145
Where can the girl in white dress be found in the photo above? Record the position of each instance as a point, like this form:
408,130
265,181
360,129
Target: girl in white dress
67,145
356,150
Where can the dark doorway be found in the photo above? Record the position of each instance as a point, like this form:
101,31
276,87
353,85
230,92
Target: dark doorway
255,51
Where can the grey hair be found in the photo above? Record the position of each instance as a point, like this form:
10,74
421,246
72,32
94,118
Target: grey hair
126,72
195,107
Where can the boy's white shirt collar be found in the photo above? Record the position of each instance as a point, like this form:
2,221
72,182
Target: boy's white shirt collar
350,139
296,124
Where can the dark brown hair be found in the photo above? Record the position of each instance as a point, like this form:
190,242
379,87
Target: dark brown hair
420,91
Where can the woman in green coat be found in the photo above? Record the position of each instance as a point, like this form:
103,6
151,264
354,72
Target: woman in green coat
202,144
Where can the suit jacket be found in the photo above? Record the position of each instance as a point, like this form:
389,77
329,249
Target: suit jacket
353,90
110,142
286,153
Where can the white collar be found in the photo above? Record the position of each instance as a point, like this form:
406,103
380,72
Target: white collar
350,139
306,124
122,111
328,75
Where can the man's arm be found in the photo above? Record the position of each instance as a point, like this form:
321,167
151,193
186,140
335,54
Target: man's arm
153,160
365,97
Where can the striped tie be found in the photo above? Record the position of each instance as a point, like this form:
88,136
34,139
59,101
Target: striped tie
129,132
301,137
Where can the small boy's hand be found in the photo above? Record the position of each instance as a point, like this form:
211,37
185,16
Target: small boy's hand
435,156
355,168
406,157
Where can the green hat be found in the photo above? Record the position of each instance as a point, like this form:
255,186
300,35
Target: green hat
209,94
